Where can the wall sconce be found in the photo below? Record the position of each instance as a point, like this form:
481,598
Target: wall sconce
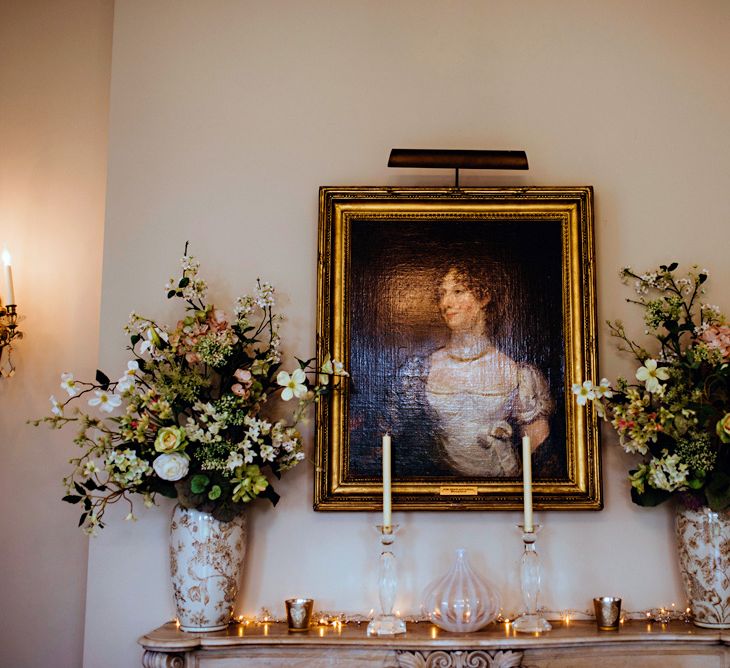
8,319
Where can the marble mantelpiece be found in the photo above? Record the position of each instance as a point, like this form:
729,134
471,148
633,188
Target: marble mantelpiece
573,645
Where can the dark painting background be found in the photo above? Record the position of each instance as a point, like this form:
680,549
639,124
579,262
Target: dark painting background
396,268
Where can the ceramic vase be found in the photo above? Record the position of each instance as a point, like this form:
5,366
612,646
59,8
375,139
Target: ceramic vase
703,539
460,601
206,557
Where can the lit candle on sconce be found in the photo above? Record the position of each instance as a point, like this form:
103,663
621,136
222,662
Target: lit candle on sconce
9,292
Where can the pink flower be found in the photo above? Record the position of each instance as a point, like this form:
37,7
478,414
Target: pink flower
239,390
718,337
217,320
244,377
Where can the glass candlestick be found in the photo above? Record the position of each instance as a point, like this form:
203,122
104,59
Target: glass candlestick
386,623
531,621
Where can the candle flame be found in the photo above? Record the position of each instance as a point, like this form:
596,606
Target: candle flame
7,258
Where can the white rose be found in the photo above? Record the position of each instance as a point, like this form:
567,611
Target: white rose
171,467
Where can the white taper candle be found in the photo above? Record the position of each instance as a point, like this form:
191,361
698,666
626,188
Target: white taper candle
387,513
9,292
527,481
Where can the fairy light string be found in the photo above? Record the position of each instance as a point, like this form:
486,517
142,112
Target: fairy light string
337,620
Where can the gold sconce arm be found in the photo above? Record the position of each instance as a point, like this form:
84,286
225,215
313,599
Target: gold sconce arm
8,333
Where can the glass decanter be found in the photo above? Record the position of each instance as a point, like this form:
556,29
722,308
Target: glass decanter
460,601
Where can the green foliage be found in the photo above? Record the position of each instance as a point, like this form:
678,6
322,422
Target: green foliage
650,497
198,483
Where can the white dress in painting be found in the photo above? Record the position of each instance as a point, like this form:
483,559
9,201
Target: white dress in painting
479,403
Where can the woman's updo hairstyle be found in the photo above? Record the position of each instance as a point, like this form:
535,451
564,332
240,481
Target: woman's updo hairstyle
487,279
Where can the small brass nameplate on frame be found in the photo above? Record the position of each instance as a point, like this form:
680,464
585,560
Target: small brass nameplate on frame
460,490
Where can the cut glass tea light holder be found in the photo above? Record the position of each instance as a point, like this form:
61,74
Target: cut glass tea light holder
531,621
386,623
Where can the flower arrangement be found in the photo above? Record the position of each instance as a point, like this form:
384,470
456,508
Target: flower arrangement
677,417
193,406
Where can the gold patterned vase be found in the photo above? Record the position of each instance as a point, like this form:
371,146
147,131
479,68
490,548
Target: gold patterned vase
206,557
703,539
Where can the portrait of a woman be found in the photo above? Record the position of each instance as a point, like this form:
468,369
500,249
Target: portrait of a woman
482,399
458,352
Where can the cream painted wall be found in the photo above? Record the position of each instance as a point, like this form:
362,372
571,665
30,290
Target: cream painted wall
55,65
227,116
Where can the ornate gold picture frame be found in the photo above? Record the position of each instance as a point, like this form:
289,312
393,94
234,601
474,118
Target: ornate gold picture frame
464,316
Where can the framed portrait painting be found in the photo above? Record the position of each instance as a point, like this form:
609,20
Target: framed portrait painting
464,316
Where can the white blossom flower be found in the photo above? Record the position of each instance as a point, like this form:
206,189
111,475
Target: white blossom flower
650,375
603,389
106,401
153,340
584,392
264,295
69,384
91,526
331,367
56,408
235,459
667,473
130,517
90,468
244,306
128,378
267,453
172,467
248,453
293,385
